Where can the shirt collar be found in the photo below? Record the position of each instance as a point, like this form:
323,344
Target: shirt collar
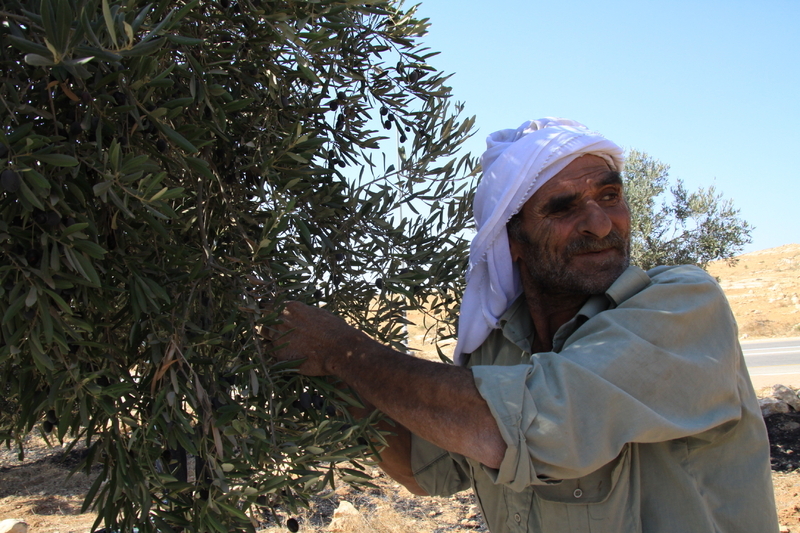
517,324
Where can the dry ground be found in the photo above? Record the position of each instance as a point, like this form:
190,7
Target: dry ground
763,289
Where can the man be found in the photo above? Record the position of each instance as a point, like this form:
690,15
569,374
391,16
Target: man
588,395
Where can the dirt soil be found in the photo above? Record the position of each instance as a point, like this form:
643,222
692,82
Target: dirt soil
763,289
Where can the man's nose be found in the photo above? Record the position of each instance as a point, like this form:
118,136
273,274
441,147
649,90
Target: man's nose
594,221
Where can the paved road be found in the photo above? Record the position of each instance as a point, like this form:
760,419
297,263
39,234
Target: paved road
772,357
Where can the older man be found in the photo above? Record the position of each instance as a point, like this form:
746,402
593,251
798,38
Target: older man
588,395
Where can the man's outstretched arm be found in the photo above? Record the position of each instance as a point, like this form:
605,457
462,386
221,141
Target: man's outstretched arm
439,403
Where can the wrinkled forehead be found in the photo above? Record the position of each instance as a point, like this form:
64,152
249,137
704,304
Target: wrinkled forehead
586,172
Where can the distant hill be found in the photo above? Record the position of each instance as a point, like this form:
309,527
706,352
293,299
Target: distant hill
763,289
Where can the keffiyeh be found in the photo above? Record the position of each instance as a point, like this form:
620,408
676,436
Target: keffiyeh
515,164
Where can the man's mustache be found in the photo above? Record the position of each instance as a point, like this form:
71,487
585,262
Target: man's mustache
585,244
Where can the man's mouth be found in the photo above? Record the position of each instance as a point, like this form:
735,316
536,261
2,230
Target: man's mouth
598,252
613,243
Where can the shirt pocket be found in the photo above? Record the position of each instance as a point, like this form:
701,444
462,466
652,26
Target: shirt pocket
605,501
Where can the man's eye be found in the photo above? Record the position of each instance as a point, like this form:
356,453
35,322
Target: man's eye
610,196
560,209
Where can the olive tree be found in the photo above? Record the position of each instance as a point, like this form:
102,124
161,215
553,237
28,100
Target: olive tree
688,228
167,168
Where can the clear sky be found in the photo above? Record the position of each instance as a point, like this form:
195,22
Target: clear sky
711,88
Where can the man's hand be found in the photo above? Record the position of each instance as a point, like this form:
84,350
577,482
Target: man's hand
312,334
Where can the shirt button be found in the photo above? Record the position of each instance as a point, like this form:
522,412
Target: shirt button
578,493
517,517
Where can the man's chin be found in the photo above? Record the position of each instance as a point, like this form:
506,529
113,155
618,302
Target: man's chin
599,271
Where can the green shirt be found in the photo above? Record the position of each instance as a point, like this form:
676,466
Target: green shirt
642,418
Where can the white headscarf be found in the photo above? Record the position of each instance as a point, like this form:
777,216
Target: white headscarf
515,164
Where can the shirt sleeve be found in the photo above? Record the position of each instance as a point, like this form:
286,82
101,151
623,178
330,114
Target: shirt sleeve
436,470
662,365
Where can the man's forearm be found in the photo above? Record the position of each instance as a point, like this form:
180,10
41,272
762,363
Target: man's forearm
437,402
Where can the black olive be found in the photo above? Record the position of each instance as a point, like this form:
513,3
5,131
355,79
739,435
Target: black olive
305,400
317,401
10,180
403,138
387,124
292,525
75,129
379,283
32,256
339,256
317,294
53,219
51,417
47,426
333,105
340,95
120,98
161,145
384,111
86,97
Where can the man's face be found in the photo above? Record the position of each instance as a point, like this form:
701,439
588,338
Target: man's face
576,230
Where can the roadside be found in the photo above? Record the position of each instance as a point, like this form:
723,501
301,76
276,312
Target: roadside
767,372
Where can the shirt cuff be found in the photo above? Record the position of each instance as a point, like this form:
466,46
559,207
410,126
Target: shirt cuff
506,392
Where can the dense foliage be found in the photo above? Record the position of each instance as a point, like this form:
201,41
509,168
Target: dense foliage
168,167
689,228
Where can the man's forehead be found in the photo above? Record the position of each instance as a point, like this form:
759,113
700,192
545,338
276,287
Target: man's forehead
582,171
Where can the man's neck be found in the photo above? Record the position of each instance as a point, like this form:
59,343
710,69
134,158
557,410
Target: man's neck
549,311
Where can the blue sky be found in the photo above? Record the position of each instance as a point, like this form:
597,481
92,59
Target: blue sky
709,87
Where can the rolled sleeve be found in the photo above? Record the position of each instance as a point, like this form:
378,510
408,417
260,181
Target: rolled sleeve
505,390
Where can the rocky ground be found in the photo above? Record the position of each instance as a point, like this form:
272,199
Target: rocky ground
762,287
